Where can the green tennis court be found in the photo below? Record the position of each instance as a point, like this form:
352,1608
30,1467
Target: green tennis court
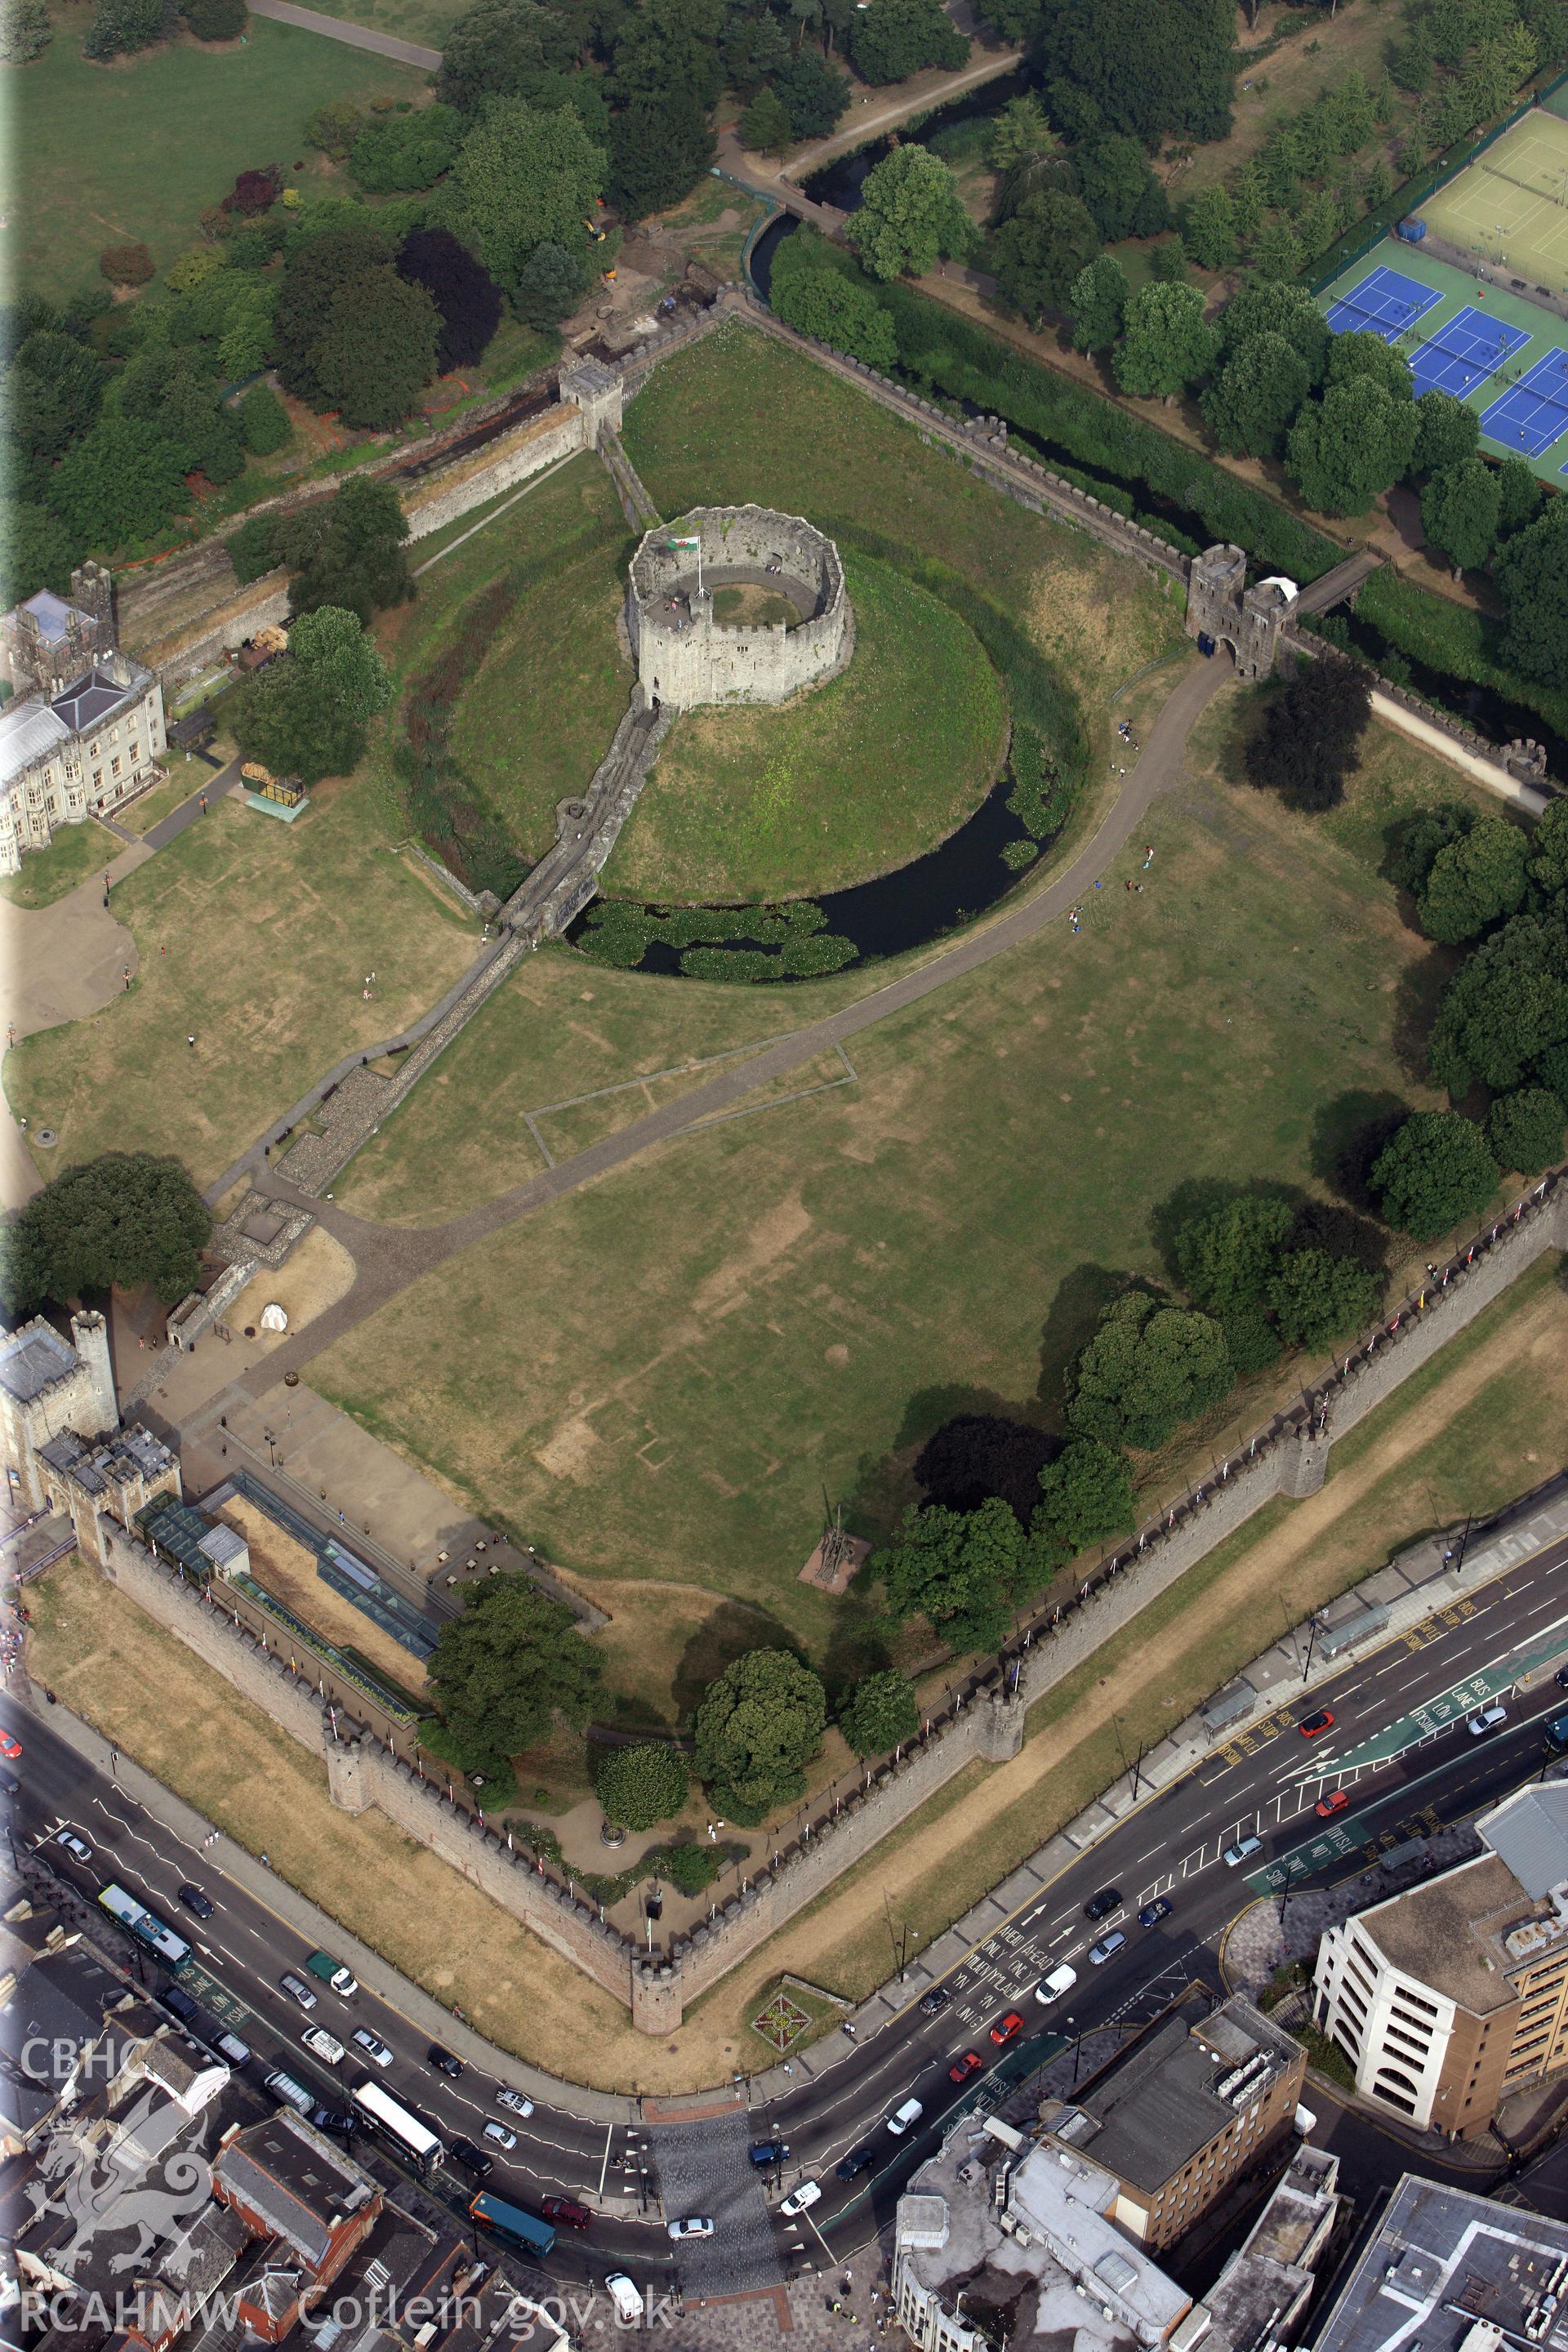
1510,205
1543,331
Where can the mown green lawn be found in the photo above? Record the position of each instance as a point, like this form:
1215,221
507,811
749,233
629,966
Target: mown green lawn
135,151
76,851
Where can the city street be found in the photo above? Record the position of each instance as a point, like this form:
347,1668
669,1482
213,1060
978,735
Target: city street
1398,1745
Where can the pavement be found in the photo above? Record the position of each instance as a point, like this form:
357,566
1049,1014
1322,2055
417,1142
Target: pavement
354,37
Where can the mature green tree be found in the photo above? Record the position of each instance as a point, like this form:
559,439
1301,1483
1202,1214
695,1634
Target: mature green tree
764,127
1275,251
1411,841
26,29
815,94
879,1713
1473,881
406,151
1209,229
321,284
122,482
1519,496
1085,1497
1459,512
1505,1006
1449,434
1097,304
1436,1171
1307,742
53,390
1549,855
263,421
1147,1368
522,179
502,49
1249,405
909,212
639,1785
1524,1130
663,45
467,298
306,715
332,130
347,551
1043,251
659,148
549,286
1269,310
896,38
1227,1257
1166,344
1020,132
1532,573
1317,1298
1552,1069
1347,446
1118,65
1123,197
1362,355
119,28
125,1219
508,1667
836,310
37,550
957,1569
757,1725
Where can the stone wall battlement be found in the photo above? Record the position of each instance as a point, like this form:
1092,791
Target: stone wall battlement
685,656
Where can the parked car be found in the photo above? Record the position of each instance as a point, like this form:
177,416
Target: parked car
1100,1906
857,2161
443,2061
1485,1720
1060,1981
932,2003
1561,1678
799,2199
1242,1851
503,2135
10,1746
333,2120
901,2118
695,2225
961,2068
1336,1802
176,1998
565,2212
766,2152
1153,1913
77,1847
325,2046
1107,1948
515,2101
298,1990
472,2159
376,2051
1312,1726
194,1900
1006,2027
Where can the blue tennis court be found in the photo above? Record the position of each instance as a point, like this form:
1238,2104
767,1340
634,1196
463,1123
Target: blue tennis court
1534,412
1385,303
1463,351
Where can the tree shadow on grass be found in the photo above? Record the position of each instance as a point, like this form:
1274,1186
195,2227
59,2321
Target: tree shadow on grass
1349,1131
1081,1298
885,1483
724,1635
858,1643
1415,1000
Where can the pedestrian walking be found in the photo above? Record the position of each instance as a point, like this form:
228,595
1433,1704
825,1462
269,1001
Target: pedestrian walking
125,975
204,801
266,1859
190,1040
1148,855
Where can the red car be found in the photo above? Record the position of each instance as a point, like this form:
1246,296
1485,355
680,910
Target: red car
1311,1726
961,2068
9,1747
1334,1802
566,2211
1005,2028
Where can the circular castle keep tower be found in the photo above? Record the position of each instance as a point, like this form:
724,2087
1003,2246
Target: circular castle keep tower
685,656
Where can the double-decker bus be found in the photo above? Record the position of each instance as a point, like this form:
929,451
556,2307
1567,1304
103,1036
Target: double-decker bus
402,2132
513,2226
145,1926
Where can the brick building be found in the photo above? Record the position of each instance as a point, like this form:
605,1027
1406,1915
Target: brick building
1182,2110
1454,1995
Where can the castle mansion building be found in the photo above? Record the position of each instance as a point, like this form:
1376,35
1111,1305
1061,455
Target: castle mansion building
83,728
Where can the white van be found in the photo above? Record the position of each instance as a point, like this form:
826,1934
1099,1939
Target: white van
326,2045
625,2296
1060,1980
899,2121
294,2095
808,2193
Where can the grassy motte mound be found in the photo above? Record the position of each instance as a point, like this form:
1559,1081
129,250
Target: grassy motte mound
847,781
